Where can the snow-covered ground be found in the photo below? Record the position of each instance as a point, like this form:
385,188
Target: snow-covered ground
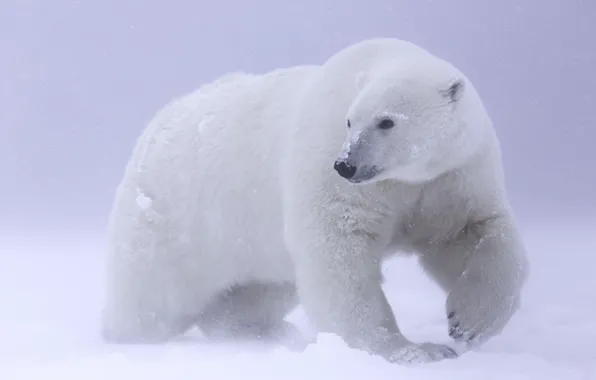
50,289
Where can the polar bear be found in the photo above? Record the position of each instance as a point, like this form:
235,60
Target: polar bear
256,193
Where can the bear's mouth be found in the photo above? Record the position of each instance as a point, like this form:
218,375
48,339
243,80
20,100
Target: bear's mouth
365,174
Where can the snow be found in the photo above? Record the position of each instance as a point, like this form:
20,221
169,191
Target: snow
143,201
51,293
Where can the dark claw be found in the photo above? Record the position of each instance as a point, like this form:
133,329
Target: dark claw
454,331
471,337
450,353
451,315
453,328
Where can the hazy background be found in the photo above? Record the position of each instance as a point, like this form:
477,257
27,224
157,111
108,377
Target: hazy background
80,79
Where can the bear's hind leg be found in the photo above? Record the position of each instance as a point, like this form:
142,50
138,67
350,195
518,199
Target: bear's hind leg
142,306
253,311
147,296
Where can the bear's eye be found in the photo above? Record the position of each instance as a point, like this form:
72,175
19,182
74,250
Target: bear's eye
349,124
386,124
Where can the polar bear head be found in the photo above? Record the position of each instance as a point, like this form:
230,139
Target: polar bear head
410,123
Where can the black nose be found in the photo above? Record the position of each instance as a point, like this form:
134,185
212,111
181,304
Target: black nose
344,169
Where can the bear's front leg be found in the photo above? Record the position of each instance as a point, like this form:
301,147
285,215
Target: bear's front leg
485,293
338,278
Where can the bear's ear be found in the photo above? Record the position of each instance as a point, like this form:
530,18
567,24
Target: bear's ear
361,80
454,90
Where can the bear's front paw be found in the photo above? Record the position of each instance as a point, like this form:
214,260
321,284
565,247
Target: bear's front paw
421,353
475,315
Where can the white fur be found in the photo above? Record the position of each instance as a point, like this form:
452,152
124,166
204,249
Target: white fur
233,187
